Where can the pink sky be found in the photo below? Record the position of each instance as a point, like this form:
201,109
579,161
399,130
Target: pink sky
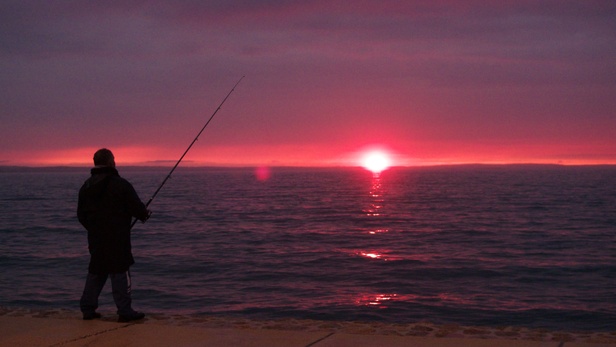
429,81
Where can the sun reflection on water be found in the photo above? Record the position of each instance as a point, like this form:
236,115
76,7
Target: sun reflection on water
381,300
371,255
374,211
382,255
376,194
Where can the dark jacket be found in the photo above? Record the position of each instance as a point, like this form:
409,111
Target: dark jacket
107,203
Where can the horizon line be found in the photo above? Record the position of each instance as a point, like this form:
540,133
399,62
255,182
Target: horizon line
249,166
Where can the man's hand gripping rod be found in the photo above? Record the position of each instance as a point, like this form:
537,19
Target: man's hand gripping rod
187,149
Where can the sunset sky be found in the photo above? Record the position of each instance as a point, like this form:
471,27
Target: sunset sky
430,82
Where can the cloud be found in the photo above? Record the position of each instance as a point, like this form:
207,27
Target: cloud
328,72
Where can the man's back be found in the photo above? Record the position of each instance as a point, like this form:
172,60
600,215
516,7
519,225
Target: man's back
106,205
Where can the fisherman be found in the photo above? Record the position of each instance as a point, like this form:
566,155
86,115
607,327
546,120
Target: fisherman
107,203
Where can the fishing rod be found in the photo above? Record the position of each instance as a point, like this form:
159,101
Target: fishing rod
188,149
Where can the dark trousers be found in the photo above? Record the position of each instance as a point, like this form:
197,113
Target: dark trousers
120,287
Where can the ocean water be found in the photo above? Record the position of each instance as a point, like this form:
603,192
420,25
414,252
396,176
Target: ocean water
531,246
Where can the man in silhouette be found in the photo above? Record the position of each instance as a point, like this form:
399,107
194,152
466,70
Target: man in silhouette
107,203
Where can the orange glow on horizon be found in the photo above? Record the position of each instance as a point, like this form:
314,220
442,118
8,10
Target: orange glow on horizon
293,156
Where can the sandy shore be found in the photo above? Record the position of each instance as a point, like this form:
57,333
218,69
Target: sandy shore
511,336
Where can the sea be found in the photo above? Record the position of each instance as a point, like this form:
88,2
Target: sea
475,245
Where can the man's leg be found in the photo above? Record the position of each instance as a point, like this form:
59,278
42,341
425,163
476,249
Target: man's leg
91,291
121,289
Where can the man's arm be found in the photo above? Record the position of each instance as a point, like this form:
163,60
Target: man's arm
136,207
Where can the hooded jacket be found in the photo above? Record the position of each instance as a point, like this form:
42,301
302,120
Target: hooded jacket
106,205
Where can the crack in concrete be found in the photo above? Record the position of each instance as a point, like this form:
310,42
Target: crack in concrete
319,340
90,335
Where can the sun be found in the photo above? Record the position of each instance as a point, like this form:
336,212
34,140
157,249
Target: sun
376,161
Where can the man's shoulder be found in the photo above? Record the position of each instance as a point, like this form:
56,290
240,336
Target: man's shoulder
120,180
